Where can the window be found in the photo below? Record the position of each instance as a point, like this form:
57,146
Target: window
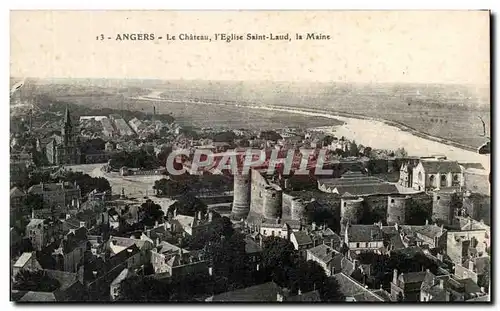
264,232
432,179
357,245
392,200
420,176
443,180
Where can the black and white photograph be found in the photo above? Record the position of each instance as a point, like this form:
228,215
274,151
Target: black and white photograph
278,156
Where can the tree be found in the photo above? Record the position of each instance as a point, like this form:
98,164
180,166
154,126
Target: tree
270,135
188,204
401,153
368,152
353,149
229,260
163,154
151,212
220,227
277,254
37,281
171,187
86,182
34,202
327,140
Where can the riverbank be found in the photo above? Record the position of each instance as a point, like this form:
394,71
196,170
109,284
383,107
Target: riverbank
369,131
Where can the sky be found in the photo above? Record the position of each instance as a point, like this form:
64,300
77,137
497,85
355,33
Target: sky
365,46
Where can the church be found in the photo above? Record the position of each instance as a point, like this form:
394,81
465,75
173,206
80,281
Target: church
64,148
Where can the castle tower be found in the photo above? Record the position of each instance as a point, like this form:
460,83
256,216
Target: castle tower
272,202
396,209
444,203
241,196
351,209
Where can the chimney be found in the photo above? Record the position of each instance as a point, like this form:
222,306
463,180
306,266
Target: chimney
210,216
157,241
395,276
441,284
427,222
483,290
199,215
313,226
32,214
156,224
175,212
396,226
82,224
356,263
471,265
442,229
299,292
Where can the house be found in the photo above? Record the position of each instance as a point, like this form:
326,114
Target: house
115,285
70,289
169,263
477,269
354,291
42,232
27,261
406,286
464,245
448,288
361,238
301,241
61,196
267,292
99,274
253,250
279,228
189,225
69,256
430,236
431,174
17,197
326,236
326,257
115,245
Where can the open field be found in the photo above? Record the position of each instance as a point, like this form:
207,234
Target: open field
137,186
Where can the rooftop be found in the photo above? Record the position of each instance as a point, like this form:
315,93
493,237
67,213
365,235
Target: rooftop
364,233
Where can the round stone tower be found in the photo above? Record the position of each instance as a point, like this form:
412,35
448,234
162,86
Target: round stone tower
297,208
443,204
396,209
272,202
241,196
351,210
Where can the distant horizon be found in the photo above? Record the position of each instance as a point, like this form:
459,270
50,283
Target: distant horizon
252,80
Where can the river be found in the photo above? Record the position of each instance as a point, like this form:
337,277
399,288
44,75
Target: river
373,133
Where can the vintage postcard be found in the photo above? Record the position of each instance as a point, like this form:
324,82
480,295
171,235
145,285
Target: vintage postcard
250,156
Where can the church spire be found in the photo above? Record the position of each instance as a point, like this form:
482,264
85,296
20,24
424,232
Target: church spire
67,117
